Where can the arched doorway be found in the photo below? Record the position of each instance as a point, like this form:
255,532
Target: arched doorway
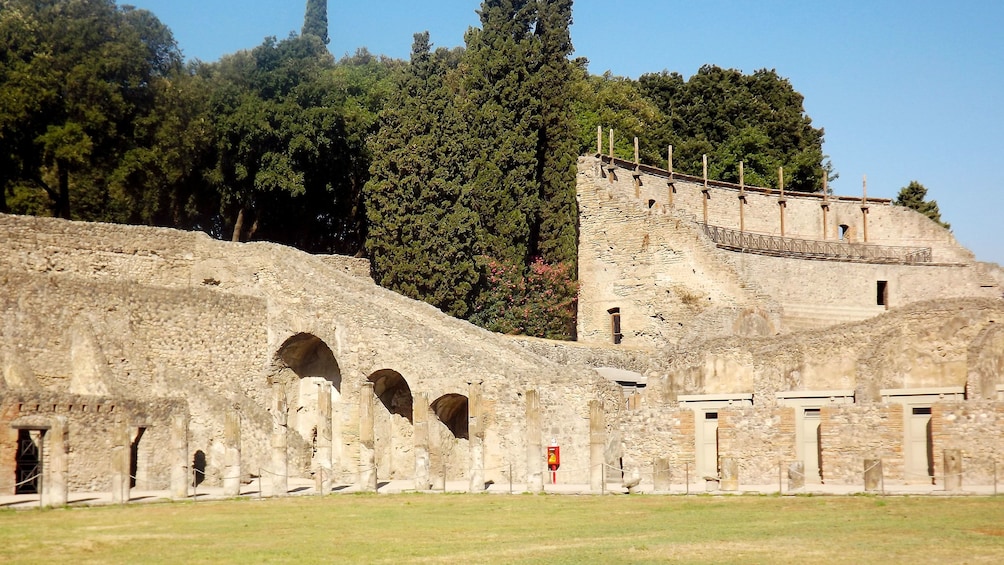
448,437
393,425
302,363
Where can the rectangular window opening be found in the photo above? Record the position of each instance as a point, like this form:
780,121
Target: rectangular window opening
922,411
882,293
711,415
615,325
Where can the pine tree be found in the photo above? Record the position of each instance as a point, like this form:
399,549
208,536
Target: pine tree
912,196
315,22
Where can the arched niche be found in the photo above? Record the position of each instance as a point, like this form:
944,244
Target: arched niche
394,393
308,356
451,409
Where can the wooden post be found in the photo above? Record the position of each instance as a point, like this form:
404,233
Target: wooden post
742,198
637,171
825,206
782,202
599,140
864,208
610,166
704,200
670,185
637,160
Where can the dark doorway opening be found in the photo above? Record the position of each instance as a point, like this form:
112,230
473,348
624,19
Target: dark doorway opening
882,293
615,325
28,467
134,458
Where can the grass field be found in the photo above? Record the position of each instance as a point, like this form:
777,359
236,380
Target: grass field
422,528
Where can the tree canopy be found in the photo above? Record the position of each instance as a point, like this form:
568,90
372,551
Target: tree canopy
454,172
913,196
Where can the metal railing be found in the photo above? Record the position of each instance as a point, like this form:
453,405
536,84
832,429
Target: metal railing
814,249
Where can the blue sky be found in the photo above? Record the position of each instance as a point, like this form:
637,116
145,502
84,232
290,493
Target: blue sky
905,90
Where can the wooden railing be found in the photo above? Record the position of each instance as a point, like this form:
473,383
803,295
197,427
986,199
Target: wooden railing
814,249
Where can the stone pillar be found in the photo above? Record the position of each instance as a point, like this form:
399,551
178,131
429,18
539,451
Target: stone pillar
953,469
534,452
179,456
796,475
232,454
420,418
476,433
660,475
324,469
121,451
56,490
597,441
730,474
873,474
367,457
278,480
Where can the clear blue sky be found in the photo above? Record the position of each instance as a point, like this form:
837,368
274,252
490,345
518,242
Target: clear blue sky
905,90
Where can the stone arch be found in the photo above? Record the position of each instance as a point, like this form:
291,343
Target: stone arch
451,409
393,425
985,361
308,356
300,365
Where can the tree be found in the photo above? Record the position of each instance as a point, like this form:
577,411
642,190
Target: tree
315,21
758,119
76,76
422,226
913,196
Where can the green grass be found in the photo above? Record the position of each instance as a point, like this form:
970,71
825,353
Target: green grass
416,528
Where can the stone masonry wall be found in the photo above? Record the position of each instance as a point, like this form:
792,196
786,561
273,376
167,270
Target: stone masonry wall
92,427
641,251
849,434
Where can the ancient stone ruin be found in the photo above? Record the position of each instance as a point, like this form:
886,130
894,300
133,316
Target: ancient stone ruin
725,332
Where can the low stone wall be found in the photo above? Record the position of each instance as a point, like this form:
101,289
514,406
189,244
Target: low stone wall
93,423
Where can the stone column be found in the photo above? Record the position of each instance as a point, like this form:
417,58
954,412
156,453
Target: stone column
597,441
367,457
232,454
534,452
56,490
420,418
730,474
324,470
179,456
476,431
953,469
121,451
660,475
796,475
278,480
873,474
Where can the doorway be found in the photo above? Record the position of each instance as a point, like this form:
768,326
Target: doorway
28,462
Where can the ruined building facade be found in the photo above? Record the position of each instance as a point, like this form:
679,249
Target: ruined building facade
716,323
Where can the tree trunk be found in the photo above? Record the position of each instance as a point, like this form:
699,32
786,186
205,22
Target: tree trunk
238,225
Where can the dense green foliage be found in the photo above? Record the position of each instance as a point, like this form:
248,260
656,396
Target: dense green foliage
315,21
454,172
913,196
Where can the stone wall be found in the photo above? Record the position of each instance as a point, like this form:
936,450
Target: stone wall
92,435
642,252
976,428
208,321
849,434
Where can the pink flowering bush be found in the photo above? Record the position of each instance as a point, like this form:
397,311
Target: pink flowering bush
537,300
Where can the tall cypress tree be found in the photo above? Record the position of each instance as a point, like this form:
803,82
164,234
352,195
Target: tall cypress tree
315,22
502,112
557,145
422,228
